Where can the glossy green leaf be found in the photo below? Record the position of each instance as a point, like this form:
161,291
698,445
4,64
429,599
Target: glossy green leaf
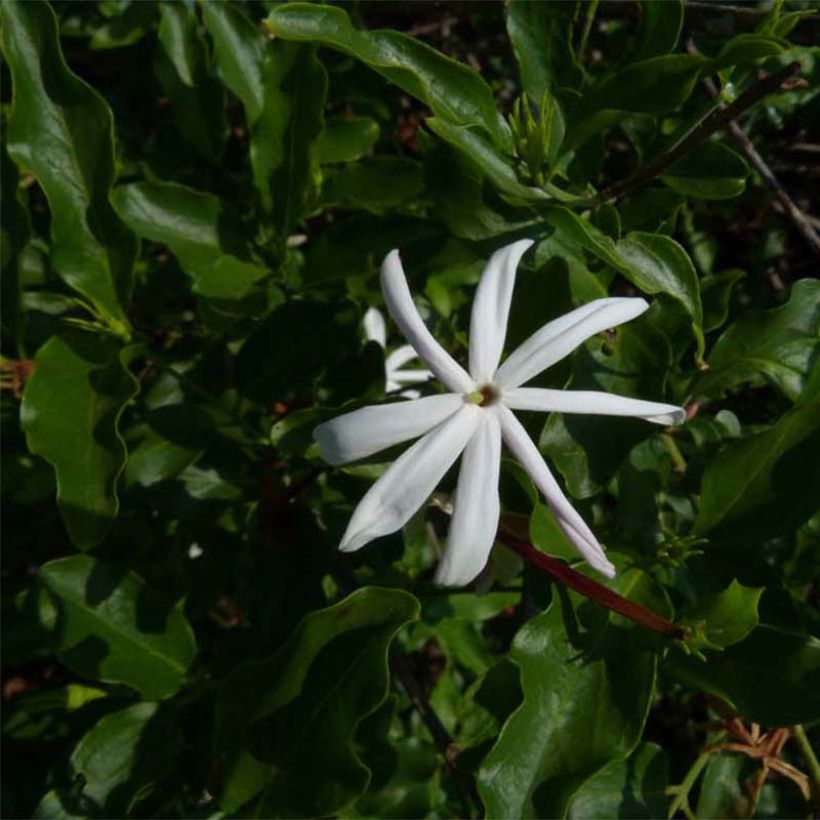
587,685
70,414
728,617
201,230
653,262
114,628
299,708
659,29
772,677
629,789
765,484
60,130
721,790
378,185
776,345
346,139
182,65
282,88
712,171
453,91
541,36
120,758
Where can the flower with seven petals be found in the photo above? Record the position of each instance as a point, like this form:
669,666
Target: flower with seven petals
474,417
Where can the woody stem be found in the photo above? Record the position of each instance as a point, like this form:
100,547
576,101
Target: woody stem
602,595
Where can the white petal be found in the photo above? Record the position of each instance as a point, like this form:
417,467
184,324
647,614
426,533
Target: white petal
399,357
571,523
593,402
491,309
404,313
411,376
560,337
375,329
476,506
370,429
409,481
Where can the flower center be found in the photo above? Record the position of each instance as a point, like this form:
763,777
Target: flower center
484,396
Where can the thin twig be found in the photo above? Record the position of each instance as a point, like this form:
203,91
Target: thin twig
602,595
402,667
811,761
800,220
716,120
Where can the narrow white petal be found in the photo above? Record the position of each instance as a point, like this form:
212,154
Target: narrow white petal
476,507
375,329
491,309
409,481
560,337
370,429
571,523
399,357
400,304
594,402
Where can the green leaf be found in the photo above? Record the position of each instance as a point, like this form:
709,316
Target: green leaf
652,262
776,345
453,91
716,293
721,790
346,139
765,484
629,789
712,171
300,708
15,228
378,185
587,683
728,617
61,131
183,69
121,757
114,628
771,677
282,88
659,29
541,36
200,229
70,413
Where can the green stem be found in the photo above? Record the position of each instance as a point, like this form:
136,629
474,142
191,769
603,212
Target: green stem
811,759
592,7
678,461
681,801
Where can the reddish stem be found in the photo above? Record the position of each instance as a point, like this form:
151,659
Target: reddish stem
592,589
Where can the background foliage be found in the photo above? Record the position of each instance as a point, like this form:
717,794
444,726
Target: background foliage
196,199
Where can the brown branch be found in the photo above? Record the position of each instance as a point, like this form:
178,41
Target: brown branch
602,595
403,668
710,124
801,221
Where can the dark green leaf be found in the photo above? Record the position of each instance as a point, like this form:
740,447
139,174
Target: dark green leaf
379,184
772,677
453,91
721,790
712,171
14,233
113,628
300,708
629,789
652,262
765,484
182,66
659,29
200,229
60,130
541,36
587,686
778,345
120,758
728,617
346,139
716,293
70,413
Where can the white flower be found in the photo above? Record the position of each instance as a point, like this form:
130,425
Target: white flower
396,375
474,417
